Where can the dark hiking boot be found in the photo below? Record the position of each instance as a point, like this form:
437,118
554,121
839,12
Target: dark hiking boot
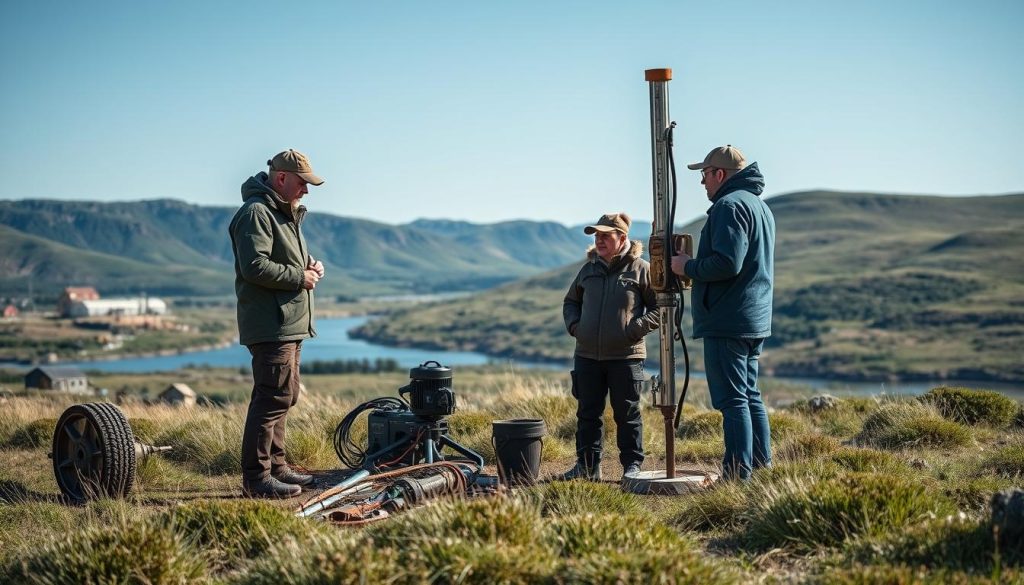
581,471
270,488
289,475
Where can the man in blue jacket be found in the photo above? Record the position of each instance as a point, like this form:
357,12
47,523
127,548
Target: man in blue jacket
732,302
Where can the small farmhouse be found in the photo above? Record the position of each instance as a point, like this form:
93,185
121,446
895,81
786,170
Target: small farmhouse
58,378
178,394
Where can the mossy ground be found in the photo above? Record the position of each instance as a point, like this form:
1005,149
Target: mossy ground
869,491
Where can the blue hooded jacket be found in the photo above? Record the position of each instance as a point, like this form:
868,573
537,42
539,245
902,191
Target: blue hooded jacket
734,268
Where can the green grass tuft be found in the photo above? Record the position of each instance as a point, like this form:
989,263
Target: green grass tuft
827,513
903,575
1005,462
900,425
704,425
206,444
130,553
675,566
720,507
505,520
973,407
806,447
331,557
580,534
145,430
864,459
560,498
949,543
786,424
36,434
231,531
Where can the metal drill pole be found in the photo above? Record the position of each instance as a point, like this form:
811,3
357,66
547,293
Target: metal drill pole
661,255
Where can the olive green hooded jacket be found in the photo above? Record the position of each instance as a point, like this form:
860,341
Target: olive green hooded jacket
270,261
609,308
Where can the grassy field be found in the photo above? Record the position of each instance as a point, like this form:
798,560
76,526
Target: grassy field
893,490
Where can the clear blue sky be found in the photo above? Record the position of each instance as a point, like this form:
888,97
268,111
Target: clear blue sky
498,110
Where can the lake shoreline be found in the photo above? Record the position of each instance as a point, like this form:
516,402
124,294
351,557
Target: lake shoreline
768,372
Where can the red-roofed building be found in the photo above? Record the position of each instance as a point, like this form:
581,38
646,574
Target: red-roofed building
73,294
10,312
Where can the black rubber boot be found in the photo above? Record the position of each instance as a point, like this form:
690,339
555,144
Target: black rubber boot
581,471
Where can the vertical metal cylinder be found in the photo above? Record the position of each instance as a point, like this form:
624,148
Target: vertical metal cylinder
661,252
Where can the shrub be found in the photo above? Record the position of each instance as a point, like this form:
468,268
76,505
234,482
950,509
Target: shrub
971,407
898,425
560,498
830,511
36,434
130,553
705,425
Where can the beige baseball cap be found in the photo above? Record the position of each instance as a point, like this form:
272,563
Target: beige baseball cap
726,157
610,222
294,161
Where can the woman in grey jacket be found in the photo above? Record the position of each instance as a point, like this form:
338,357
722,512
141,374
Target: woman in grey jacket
609,308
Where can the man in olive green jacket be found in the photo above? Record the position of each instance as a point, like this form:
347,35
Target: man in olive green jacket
609,308
274,281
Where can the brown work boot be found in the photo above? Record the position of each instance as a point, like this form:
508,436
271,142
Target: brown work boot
290,476
270,488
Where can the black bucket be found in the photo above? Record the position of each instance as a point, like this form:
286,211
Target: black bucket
518,444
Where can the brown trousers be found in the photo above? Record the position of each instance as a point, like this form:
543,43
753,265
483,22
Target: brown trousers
275,373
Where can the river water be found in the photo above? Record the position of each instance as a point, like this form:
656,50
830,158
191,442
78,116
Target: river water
333,343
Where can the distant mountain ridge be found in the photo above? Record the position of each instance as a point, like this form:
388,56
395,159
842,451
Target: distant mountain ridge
167,246
868,286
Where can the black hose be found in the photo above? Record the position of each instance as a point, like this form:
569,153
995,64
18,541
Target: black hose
670,250
348,452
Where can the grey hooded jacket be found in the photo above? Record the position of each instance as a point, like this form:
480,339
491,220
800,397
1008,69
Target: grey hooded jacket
609,308
270,261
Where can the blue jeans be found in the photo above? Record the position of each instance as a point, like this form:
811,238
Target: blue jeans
731,367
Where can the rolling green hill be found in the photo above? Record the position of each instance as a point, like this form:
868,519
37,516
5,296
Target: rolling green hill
171,247
868,287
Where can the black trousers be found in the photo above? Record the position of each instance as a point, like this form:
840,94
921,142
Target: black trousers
622,380
275,372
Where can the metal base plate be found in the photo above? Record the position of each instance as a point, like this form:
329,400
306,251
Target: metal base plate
686,481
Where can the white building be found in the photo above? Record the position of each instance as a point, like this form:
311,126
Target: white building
108,307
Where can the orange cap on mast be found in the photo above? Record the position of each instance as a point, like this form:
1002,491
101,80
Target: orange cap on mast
658,75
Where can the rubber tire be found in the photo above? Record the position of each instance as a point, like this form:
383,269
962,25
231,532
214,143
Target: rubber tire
108,469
